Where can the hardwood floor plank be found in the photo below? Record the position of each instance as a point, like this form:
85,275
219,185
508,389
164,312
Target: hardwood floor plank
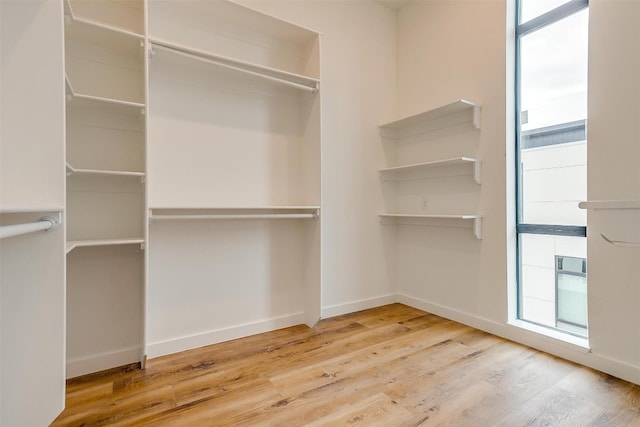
389,366
554,407
377,410
327,371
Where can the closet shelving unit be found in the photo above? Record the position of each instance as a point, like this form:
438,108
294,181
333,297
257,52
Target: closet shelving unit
234,161
411,128
106,171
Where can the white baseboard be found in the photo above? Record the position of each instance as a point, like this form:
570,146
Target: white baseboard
100,362
573,352
351,307
175,345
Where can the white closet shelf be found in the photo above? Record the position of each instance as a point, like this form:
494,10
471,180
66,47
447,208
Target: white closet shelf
119,105
393,171
252,212
30,209
437,113
279,76
77,171
477,219
97,32
610,204
72,244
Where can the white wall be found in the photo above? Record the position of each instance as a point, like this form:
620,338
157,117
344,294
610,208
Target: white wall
613,174
447,51
458,49
32,266
358,74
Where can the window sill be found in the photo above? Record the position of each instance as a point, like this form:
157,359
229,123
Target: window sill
583,343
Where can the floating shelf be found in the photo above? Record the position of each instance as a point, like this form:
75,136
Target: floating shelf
252,212
76,171
72,244
429,121
279,76
393,171
477,219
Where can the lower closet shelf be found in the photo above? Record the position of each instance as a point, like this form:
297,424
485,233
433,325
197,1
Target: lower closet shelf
72,244
397,218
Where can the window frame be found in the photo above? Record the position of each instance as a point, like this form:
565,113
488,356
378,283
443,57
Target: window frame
522,29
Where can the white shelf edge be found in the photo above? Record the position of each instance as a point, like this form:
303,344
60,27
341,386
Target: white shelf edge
477,219
30,209
435,113
128,105
74,18
610,204
280,76
73,244
72,170
238,208
477,174
204,217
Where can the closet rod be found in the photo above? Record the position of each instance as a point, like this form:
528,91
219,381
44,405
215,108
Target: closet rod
231,216
45,223
212,60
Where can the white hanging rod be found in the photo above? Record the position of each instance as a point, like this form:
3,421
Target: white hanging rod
45,223
231,216
210,59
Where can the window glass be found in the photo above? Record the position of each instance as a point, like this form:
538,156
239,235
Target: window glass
533,8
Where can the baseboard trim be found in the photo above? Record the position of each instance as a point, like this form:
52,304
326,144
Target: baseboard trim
554,346
175,345
353,306
103,361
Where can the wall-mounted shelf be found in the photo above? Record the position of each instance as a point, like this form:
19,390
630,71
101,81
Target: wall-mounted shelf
73,19
112,38
85,100
77,171
610,204
30,209
73,244
458,112
279,76
393,172
395,218
222,213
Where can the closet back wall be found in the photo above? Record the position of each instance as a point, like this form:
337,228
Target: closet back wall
358,93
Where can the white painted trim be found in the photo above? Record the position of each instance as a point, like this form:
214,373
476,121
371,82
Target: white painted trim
175,345
353,306
102,361
548,344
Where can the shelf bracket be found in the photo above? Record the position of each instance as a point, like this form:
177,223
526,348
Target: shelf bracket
476,116
477,228
477,171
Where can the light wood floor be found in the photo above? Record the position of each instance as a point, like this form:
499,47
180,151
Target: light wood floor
388,366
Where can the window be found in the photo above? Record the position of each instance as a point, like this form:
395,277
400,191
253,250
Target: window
551,79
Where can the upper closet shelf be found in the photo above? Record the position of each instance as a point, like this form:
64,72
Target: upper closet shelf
434,119
394,171
97,32
77,171
30,209
278,76
251,212
118,105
